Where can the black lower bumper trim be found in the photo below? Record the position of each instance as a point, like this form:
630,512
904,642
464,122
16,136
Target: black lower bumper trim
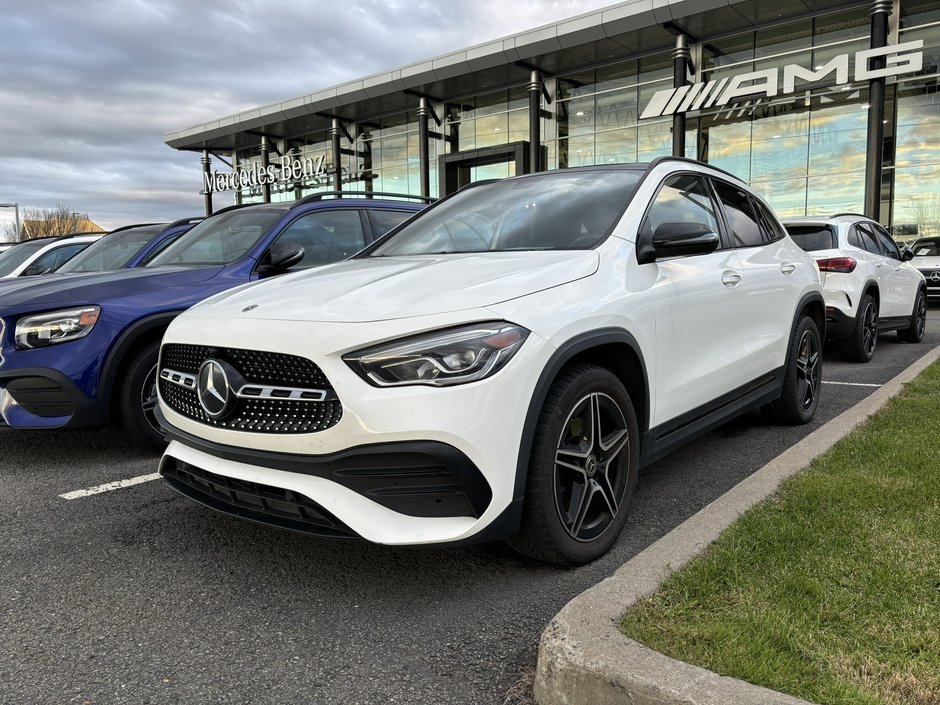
48,393
415,478
252,500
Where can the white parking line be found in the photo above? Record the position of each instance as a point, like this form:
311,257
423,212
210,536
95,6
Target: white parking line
111,486
852,384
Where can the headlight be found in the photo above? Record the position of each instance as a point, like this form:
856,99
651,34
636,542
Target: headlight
442,358
56,327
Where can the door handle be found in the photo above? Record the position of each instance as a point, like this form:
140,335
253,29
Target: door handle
730,278
787,267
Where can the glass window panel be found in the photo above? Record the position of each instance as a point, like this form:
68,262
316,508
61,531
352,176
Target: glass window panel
519,126
616,109
917,139
577,84
852,24
492,130
730,50
326,236
789,37
617,146
786,196
490,104
916,12
580,116
836,193
618,76
654,68
779,146
728,145
838,132
682,199
581,151
654,140
917,199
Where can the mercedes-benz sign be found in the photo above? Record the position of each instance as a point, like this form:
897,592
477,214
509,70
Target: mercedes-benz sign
213,388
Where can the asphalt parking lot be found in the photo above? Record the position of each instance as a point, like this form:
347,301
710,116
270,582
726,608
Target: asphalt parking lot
136,595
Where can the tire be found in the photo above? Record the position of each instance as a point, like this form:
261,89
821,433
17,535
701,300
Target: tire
914,333
580,484
859,345
137,398
802,378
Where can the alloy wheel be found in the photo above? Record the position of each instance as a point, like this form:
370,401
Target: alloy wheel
148,399
591,461
921,316
807,369
870,329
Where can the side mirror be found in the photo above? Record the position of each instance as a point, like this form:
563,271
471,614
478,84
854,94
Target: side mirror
35,270
907,254
281,257
676,240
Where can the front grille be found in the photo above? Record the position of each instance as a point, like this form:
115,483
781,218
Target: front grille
252,500
257,367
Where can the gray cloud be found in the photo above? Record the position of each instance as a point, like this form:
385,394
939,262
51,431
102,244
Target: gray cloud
90,86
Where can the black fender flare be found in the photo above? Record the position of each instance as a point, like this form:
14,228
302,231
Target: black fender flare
561,357
127,340
807,299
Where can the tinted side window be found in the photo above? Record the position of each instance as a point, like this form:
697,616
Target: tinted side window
326,236
855,239
868,239
887,244
161,247
60,255
682,198
745,230
385,219
772,228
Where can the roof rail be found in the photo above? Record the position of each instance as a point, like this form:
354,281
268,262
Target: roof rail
186,221
668,158
858,215
234,207
133,225
312,198
77,234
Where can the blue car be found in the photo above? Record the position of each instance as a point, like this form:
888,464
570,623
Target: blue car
130,246
80,350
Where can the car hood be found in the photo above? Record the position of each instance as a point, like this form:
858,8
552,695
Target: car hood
385,288
96,287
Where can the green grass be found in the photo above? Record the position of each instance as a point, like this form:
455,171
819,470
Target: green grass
830,589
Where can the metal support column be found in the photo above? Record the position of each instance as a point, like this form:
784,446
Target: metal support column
265,161
880,11
207,175
424,158
535,122
335,132
681,58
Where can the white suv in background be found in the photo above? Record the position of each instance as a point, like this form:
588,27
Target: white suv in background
499,365
42,255
871,288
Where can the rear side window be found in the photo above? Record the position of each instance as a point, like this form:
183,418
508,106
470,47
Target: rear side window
888,245
742,221
813,238
773,231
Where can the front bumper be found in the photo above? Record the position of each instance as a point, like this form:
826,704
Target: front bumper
403,465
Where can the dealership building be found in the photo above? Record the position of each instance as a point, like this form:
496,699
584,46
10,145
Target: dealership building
823,106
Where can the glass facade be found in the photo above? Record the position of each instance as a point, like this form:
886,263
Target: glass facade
806,151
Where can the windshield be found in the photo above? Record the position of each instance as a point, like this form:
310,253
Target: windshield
811,238
112,251
927,248
219,239
557,210
16,255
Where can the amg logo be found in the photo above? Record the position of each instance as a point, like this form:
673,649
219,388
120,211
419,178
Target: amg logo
899,59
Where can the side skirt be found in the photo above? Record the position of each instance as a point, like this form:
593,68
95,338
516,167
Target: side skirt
663,439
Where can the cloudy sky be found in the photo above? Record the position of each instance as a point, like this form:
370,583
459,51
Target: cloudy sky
88,88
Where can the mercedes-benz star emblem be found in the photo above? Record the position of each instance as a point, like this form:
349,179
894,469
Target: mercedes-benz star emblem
249,308
213,389
935,276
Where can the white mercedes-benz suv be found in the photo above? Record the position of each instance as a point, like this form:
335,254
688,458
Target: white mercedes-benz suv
500,365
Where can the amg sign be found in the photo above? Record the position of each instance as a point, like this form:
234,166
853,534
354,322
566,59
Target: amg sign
899,59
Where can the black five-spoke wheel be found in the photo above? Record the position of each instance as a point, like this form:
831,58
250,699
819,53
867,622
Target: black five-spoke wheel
582,469
807,369
589,479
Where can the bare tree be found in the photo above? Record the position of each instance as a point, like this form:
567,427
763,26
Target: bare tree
926,212
48,222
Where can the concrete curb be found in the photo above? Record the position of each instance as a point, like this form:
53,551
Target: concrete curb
583,657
